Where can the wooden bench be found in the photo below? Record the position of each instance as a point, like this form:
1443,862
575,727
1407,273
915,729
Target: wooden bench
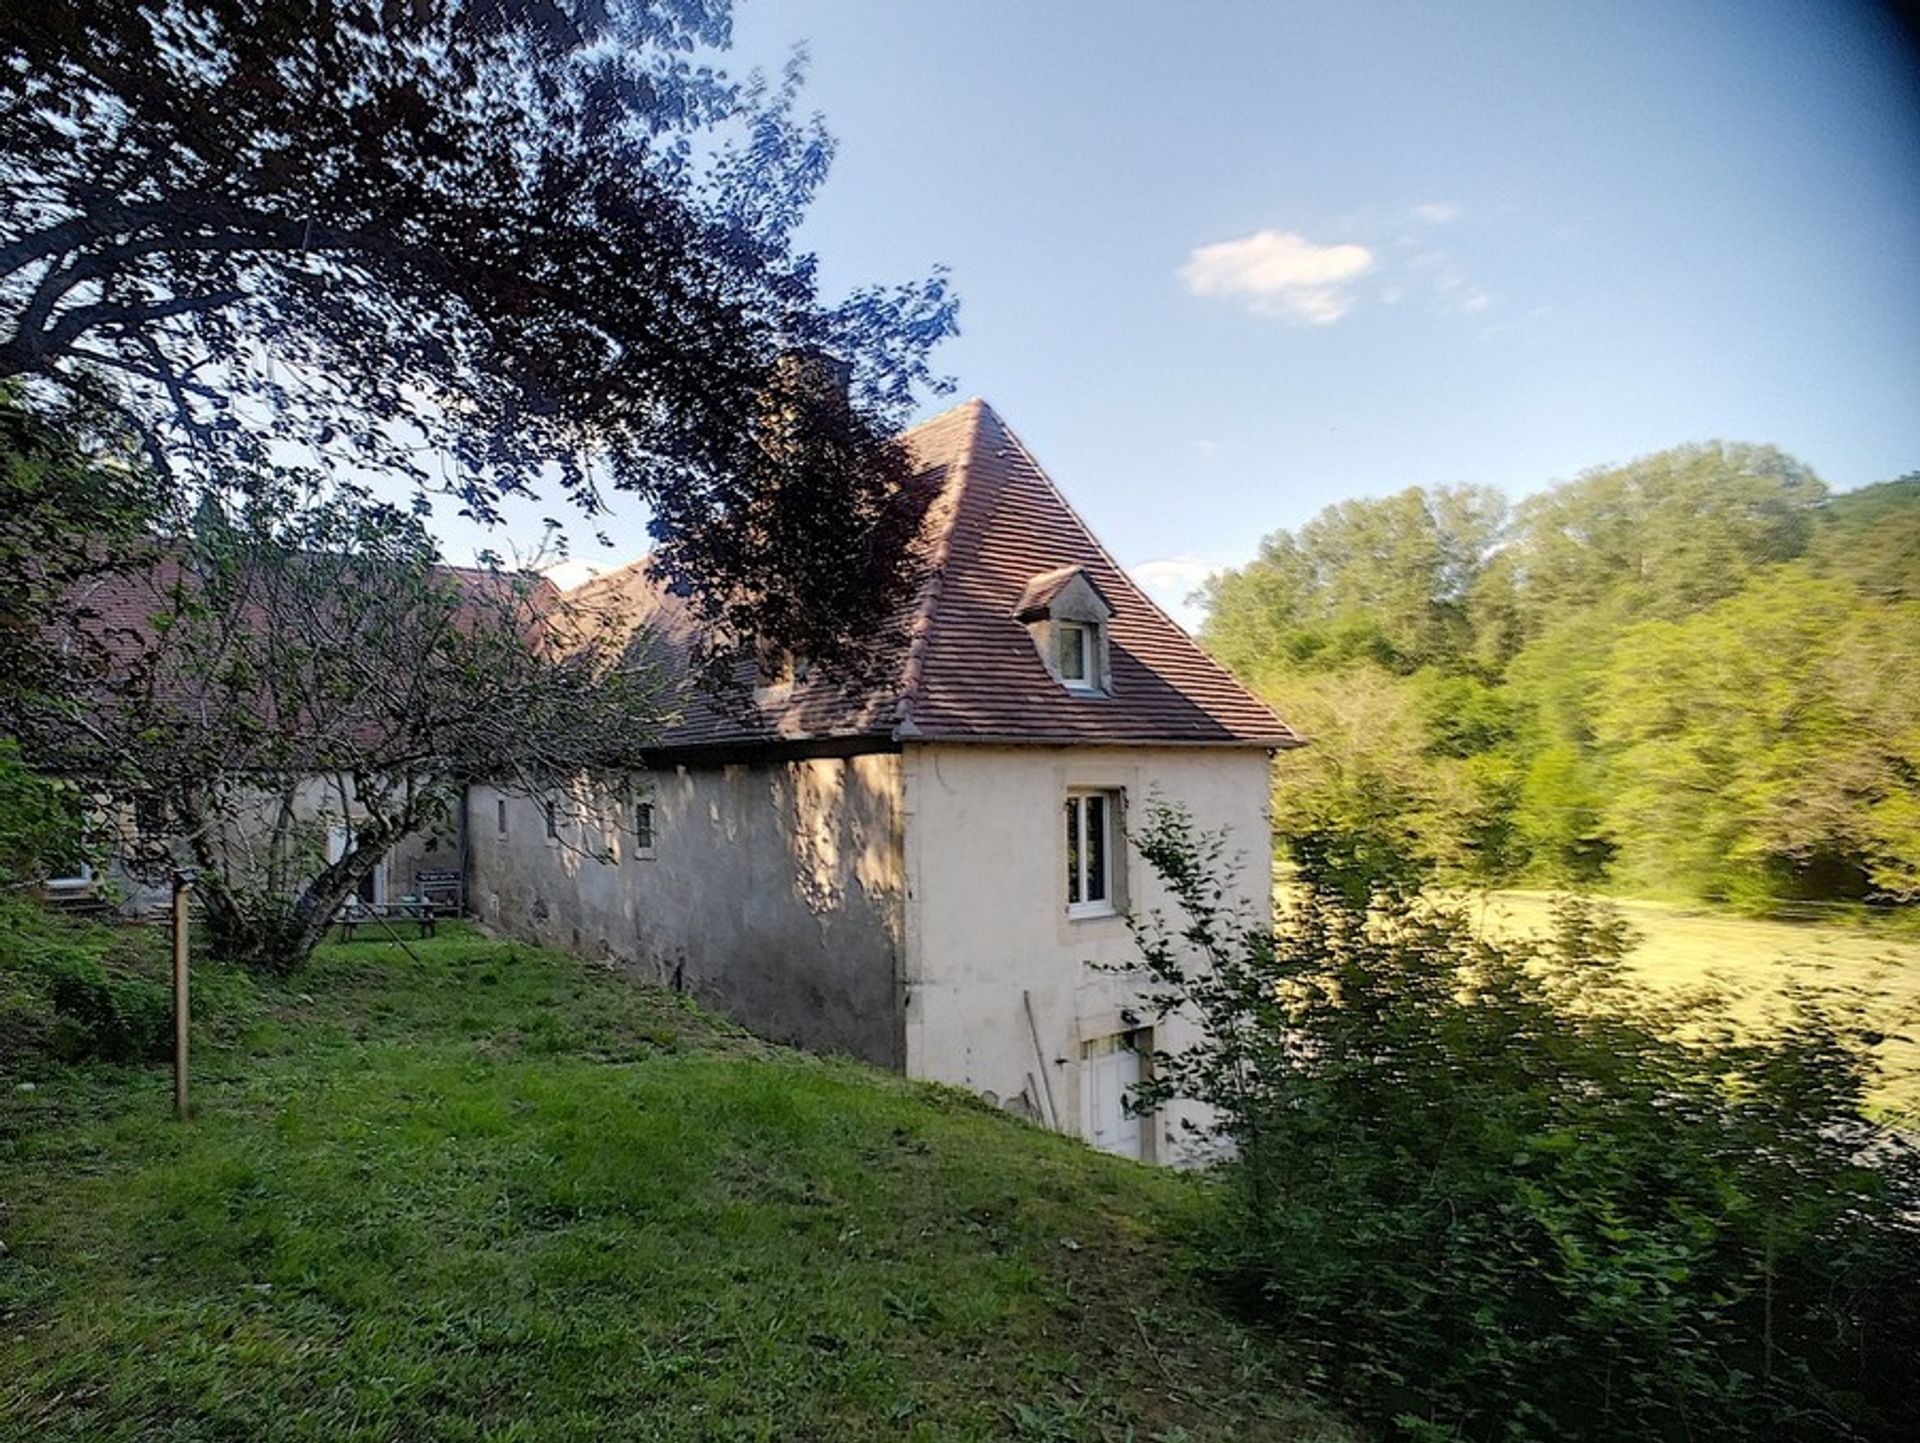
356,914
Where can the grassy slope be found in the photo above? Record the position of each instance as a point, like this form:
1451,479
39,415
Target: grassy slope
1751,959
498,1194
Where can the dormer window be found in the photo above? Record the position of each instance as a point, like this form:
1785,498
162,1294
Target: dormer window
1077,641
1066,615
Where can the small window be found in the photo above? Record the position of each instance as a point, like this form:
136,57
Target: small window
552,809
643,826
500,815
1076,654
1090,860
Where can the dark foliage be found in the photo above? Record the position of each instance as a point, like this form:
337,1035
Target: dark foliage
105,1017
1494,1192
487,246
70,506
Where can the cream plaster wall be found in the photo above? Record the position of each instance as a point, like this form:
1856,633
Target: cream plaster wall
986,917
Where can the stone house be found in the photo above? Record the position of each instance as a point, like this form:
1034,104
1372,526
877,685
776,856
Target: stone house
119,611
931,873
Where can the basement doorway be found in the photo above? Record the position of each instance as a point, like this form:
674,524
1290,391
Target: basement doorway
1110,1069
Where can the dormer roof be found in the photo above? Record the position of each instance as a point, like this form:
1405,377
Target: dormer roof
1046,588
999,538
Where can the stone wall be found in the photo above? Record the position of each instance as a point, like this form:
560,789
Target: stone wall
772,892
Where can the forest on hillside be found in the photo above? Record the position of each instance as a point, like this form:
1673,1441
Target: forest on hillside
1695,675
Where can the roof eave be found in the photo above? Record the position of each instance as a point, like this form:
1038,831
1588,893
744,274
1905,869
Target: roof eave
1249,744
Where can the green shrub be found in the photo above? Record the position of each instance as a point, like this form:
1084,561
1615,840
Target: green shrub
40,820
1497,1192
109,1017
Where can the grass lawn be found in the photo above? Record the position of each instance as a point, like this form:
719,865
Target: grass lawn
494,1193
1752,959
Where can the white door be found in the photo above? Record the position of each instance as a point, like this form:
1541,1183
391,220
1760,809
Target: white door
1109,1071
373,886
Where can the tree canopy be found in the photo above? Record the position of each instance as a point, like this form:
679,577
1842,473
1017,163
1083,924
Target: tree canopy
487,247
1696,673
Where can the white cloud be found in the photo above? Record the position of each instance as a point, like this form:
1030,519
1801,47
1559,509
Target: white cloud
1439,212
1172,580
1278,273
1452,290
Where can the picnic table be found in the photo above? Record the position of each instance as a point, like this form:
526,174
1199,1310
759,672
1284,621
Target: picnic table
355,914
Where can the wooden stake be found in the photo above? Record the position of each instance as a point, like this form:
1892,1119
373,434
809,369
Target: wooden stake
1040,1059
182,889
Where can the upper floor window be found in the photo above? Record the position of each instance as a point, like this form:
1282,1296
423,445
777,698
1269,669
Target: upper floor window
1078,643
1066,614
500,815
1091,870
552,810
643,827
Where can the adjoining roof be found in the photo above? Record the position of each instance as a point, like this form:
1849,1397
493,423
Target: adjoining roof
961,666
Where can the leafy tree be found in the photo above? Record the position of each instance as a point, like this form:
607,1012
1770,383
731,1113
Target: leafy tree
70,505
1518,743
1872,538
1489,1191
1667,534
481,246
1382,581
41,820
1767,744
1363,806
304,663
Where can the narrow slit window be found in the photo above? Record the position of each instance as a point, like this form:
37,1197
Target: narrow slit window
1090,853
500,815
553,819
643,826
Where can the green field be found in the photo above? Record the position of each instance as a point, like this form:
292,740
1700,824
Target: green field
1750,960
495,1193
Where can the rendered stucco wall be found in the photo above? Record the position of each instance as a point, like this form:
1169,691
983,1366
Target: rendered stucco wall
773,892
319,804
987,924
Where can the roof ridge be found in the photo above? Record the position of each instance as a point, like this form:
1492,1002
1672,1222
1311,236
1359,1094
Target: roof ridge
922,624
1126,577
972,403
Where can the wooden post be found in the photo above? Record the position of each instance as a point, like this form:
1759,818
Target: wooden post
182,889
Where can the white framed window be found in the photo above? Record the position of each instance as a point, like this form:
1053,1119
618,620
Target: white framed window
1078,644
1092,873
500,816
643,828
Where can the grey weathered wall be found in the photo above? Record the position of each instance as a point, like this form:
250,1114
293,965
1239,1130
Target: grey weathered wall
319,802
773,892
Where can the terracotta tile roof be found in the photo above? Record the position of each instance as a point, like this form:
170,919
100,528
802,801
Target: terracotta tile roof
966,670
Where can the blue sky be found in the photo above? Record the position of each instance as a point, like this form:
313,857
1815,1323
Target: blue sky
1223,264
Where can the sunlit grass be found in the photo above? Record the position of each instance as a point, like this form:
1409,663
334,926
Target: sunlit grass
1751,961
487,1192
